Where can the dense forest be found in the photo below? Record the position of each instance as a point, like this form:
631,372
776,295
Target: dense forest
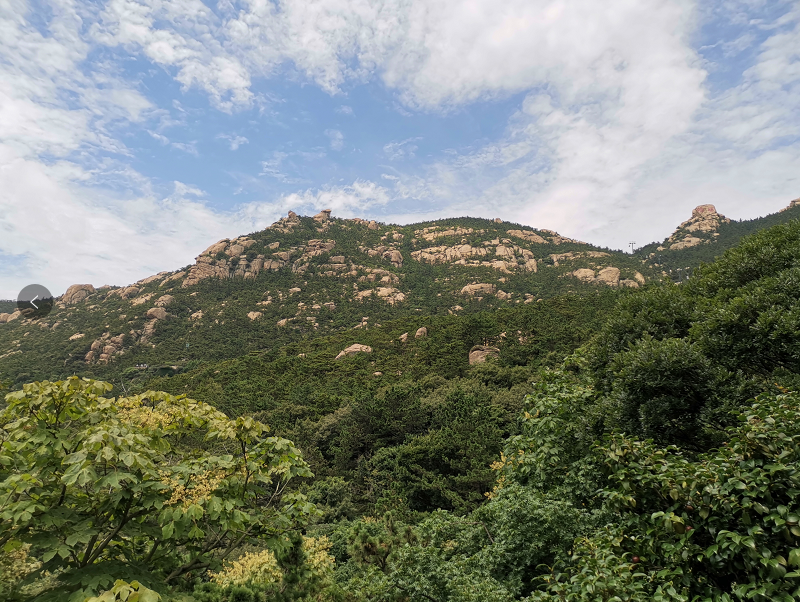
637,444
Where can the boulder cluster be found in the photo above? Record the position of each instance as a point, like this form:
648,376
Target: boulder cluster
609,276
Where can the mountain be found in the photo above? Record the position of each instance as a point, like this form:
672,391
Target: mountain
705,236
304,278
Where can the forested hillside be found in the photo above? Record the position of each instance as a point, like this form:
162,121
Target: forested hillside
632,443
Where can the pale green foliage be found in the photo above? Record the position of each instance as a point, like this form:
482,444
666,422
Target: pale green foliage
102,487
127,592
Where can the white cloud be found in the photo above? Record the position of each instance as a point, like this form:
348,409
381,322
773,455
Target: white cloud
336,139
234,141
619,132
61,231
404,149
346,201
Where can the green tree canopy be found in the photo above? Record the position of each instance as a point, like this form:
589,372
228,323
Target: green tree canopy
104,488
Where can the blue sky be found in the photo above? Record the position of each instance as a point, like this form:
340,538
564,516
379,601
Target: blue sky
134,133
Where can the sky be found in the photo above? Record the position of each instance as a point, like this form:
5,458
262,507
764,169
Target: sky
135,133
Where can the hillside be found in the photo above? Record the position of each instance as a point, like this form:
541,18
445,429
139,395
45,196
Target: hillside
305,277
704,237
636,445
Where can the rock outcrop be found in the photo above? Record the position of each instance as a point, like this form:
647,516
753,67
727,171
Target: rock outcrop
501,255
478,289
433,232
353,349
702,227
4,318
527,236
104,349
164,301
792,205
156,313
480,353
323,216
77,293
421,333
609,276
254,315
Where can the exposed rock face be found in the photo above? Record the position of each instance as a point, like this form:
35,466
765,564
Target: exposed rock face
421,333
705,220
142,299
228,258
4,318
286,224
76,293
559,257
792,205
76,336
527,235
480,353
105,348
395,257
254,315
584,274
685,243
150,279
10,317
156,313
609,276
433,232
165,300
478,289
126,292
353,349
323,216
403,337
198,315
506,257
390,294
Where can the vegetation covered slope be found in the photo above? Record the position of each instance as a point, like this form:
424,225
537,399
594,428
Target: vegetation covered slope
302,278
657,462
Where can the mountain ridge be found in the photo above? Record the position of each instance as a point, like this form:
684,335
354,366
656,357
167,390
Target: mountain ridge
311,276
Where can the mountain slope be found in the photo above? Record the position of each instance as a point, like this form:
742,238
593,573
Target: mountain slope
704,237
305,277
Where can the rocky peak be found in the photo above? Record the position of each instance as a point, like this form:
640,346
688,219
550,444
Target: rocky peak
702,227
792,205
704,210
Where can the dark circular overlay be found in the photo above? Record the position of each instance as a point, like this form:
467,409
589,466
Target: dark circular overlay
35,301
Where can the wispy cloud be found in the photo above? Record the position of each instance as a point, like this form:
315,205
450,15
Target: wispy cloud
336,139
234,142
404,149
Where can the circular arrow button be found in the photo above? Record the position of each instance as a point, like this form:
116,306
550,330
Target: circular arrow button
35,301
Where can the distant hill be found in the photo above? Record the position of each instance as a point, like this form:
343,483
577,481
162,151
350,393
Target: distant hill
704,237
309,277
